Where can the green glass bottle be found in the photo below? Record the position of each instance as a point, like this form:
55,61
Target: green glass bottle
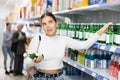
67,26
86,31
110,36
117,34
102,37
91,30
77,31
32,56
82,32
70,30
58,29
64,29
76,54
74,30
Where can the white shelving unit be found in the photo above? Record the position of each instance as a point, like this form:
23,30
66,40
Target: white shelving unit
32,19
114,6
115,49
100,74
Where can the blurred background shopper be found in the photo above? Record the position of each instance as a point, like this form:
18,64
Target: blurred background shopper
19,41
6,48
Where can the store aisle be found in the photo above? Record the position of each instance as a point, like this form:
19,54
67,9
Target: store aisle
3,76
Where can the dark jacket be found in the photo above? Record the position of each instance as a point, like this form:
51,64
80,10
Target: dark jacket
18,46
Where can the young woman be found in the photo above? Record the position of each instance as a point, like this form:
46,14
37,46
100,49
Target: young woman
52,46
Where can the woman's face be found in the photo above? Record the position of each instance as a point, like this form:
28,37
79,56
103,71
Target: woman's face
49,26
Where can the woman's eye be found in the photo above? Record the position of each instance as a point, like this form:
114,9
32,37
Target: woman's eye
43,24
50,22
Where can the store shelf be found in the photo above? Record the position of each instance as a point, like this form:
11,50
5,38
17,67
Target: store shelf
32,19
100,74
115,49
113,6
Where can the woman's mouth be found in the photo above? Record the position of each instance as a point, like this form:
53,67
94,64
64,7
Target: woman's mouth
49,30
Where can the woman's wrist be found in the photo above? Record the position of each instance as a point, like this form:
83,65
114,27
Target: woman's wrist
100,32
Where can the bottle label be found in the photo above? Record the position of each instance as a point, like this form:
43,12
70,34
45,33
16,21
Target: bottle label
111,38
102,38
104,64
92,64
77,34
117,39
86,35
86,62
69,34
72,33
80,35
99,63
83,35
91,34
107,38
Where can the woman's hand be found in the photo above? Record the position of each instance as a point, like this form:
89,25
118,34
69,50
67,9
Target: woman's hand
38,59
104,28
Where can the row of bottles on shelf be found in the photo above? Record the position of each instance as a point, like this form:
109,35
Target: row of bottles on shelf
70,70
72,73
59,5
92,58
83,31
115,66
31,8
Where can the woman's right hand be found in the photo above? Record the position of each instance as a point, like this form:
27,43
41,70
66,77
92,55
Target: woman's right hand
38,59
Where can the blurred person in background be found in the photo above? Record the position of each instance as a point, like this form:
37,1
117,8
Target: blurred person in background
6,47
19,41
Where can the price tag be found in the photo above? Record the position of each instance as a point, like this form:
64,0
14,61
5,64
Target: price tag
83,69
75,65
93,74
102,47
112,49
68,62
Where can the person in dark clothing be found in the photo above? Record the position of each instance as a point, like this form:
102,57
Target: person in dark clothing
18,47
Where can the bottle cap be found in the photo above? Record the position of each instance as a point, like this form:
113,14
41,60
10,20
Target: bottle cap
110,23
25,54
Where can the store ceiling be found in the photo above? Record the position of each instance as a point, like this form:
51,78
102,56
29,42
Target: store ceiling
7,6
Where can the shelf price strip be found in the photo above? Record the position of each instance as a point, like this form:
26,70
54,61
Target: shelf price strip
107,48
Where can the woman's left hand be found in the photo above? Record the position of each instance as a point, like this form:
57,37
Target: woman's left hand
104,28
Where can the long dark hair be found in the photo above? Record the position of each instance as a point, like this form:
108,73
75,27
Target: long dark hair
48,14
